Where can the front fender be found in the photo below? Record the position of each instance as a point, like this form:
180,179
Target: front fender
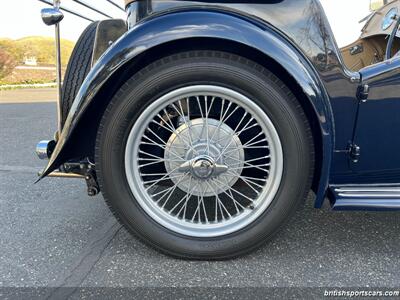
202,23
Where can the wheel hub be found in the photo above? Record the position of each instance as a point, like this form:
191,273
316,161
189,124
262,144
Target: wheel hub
210,149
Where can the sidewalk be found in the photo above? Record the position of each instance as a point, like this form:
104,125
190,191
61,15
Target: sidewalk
28,95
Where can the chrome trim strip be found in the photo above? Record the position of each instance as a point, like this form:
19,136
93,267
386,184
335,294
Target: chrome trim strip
116,5
364,185
56,5
386,189
65,175
383,196
369,192
92,8
369,195
386,204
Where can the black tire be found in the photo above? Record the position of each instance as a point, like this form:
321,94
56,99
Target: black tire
78,67
205,67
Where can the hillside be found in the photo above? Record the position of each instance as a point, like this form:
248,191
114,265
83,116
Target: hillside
42,48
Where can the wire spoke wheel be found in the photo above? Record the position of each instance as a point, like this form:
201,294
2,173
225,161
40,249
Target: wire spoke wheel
204,155
204,161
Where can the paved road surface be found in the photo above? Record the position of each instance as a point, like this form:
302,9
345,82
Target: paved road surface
52,234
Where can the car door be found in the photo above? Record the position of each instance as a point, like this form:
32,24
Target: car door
377,133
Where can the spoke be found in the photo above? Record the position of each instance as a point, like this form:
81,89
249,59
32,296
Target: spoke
230,195
164,178
204,206
223,118
249,143
170,126
239,133
188,124
254,178
252,187
231,137
159,138
189,127
236,191
228,117
182,114
172,192
152,174
183,198
151,163
248,161
200,202
149,154
169,120
245,128
259,167
244,178
207,115
197,208
188,107
157,159
209,108
161,146
169,192
174,131
247,147
219,204
153,142
173,188
163,191
201,109
162,125
202,116
187,198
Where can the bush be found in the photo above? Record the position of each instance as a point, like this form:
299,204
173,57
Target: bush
7,64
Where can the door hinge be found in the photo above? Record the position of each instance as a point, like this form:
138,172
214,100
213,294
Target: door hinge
355,153
363,92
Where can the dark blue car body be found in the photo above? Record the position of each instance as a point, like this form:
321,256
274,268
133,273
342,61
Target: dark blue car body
355,116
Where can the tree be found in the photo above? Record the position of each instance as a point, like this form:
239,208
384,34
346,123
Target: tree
7,64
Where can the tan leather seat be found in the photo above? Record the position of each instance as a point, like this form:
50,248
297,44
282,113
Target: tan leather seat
129,1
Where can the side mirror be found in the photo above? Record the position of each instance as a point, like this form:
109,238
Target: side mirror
51,16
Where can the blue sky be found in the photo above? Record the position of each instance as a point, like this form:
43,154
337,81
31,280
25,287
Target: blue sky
22,18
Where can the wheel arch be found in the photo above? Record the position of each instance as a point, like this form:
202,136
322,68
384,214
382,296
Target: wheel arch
303,82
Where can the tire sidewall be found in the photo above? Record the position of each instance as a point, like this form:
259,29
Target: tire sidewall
176,72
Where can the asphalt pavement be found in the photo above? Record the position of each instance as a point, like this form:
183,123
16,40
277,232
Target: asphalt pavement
53,235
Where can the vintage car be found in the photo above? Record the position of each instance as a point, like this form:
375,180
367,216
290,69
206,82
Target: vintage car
205,124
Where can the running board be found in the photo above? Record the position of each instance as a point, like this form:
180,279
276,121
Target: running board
366,197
